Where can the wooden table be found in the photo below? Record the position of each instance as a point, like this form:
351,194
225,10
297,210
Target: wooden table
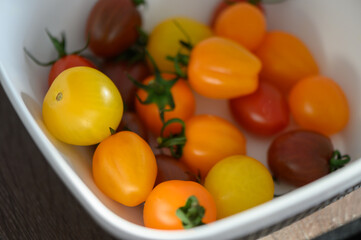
35,204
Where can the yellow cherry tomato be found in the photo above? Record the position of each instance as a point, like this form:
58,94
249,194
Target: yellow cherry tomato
164,39
81,105
238,183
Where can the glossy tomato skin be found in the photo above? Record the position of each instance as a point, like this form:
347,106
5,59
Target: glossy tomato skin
170,168
264,112
238,183
319,104
224,4
67,62
118,72
112,27
81,105
299,157
162,203
124,168
184,107
210,139
131,122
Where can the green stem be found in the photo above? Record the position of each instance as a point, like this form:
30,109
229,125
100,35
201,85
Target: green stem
175,143
191,214
338,161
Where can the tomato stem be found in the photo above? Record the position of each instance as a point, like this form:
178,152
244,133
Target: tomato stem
338,161
191,214
175,143
138,2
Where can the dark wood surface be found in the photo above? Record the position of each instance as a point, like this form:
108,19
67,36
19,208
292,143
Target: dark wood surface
34,203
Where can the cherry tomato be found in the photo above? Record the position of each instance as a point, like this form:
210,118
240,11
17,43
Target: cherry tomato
209,140
285,60
164,39
299,157
238,183
124,168
224,4
118,72
81,105
264,112
162,203
170,168
220,68
184,107
243,23
112,27
318,103
131,122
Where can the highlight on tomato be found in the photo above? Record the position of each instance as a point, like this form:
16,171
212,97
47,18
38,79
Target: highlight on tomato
264,112
164,39
177,204
124,168
64,60
285,60
222,69
210,139
300,156
318,103
81,105
243,23
238,183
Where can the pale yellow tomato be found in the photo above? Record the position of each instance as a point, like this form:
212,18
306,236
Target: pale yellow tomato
238,183
164,39
81,105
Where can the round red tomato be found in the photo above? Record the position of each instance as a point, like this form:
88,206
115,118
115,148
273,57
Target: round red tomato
264,112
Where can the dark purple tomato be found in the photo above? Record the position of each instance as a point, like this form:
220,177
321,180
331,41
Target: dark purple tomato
299,157
118,72
264,112
131,122
112,27
170,168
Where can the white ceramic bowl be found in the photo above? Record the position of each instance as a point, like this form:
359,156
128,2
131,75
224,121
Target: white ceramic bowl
330,28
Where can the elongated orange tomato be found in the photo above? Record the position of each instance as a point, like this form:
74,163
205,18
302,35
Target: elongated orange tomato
184,107
285,60
243,23
318,103
124,168
209,140
222,69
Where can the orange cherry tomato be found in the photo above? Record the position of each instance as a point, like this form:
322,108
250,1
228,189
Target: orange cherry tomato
243,23
162,203
184,107
318,103
221,68
209,140
124,168
285,60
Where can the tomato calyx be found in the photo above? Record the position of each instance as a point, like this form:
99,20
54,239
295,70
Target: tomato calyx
191,213
175,143
159,90
138,2
338,161
60,45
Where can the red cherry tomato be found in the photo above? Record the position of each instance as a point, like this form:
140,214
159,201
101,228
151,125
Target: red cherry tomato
264,112
118,72
112,27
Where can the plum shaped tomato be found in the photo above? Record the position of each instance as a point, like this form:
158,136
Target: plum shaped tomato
164,40
124,168
285,60
243,23
221,68
112,27
162,205
209,140
318,103
299,157
170,168
81,105
238,183
264,112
